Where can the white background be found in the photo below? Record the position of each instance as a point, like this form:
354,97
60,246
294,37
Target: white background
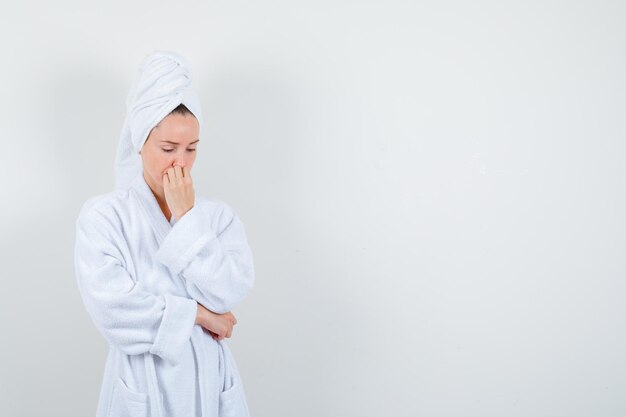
433,192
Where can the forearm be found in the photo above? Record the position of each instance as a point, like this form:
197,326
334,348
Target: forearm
202,315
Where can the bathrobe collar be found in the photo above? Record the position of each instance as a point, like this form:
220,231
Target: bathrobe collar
161,226
151,206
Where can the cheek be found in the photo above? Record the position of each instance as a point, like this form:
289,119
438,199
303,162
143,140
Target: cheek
158,163
162,159
162,168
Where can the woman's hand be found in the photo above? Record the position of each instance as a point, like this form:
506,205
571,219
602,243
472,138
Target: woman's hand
178,190
218,325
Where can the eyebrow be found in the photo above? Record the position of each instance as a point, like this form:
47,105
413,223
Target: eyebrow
176,143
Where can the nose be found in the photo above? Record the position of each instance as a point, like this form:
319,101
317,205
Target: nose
180,161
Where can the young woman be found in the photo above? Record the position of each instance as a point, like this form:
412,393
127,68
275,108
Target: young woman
160,269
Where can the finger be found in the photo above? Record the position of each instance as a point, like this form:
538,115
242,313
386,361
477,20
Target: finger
186,173
170,174
178,171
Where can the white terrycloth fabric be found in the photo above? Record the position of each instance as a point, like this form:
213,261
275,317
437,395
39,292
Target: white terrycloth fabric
140,278
163,81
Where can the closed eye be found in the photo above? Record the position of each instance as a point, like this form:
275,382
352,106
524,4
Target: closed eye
171,150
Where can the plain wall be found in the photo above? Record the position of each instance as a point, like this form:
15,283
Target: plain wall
433,192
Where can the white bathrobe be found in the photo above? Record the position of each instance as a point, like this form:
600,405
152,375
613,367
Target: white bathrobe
140,277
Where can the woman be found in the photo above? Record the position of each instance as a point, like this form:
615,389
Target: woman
158,268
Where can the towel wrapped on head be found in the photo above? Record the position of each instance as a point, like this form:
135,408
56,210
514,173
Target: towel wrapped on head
162,83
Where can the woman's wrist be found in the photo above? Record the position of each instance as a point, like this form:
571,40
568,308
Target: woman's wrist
199,315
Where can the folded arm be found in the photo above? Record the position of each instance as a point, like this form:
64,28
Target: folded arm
129,317
210,251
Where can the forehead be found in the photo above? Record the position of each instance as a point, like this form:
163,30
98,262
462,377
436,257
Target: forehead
178,121
176,129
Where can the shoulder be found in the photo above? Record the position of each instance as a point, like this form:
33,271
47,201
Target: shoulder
99,231
103,208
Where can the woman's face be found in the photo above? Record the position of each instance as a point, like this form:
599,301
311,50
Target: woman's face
171,142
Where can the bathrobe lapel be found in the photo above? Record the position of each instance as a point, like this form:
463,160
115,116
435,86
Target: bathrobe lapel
161,227
151,207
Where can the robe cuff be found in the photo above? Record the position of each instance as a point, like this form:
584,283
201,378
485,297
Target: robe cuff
179,318
185,239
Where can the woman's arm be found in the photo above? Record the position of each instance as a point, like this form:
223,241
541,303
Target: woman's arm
130,318
218,325
217,265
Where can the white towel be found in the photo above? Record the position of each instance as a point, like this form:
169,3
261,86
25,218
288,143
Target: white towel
163,82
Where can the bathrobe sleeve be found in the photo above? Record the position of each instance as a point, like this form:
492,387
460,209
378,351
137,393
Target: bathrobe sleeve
130,318
207,246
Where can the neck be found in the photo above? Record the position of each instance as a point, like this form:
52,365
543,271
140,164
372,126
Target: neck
159,195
